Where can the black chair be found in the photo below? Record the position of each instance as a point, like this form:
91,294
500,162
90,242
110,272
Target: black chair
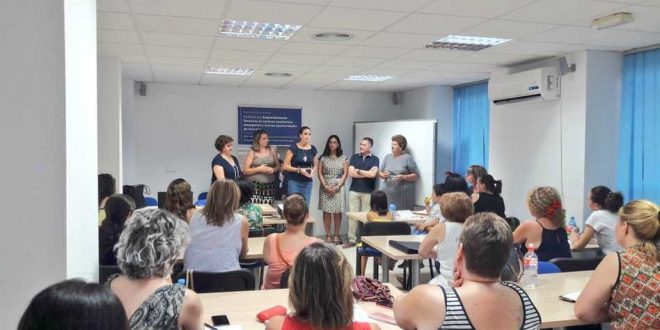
284,280
106,271
513,223
377,229
576,265
206,282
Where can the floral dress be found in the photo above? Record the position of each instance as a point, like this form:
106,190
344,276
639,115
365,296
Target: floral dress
253,214
333,170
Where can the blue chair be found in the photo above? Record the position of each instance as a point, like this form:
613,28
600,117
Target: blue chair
150,201
546,267
202,196
200,202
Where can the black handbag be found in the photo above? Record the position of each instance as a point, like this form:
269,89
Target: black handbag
136,192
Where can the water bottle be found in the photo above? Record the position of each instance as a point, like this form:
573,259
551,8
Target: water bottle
573,225
530,279
181,281
392,209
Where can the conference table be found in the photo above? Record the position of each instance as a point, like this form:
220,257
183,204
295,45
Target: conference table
416,217
381,243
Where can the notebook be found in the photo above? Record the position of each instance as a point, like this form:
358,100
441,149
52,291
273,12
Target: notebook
405,246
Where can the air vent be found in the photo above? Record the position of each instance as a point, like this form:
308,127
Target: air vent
332,36
277,74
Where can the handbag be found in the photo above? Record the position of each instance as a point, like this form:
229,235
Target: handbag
369,289
136,192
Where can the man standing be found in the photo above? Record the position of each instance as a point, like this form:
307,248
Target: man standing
363,168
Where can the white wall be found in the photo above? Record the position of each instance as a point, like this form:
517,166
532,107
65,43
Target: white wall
109,117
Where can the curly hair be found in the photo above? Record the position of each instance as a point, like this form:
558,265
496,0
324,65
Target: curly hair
401,141
151,242
221,141
545,202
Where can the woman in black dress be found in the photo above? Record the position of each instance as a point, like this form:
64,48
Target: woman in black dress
486,196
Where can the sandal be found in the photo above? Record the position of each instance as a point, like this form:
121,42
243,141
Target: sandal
338,240
328,239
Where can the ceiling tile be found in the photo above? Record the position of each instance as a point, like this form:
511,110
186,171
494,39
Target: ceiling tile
248,44
176,74
376,52
496,59
246,63
184,61
523,47
111,49
400,40
305,35
283,67
357,19
569,34
177,51
396,5
436,55
434,24
498,28
405,64
223,54
561,11
335,69
117,36
181,25
463,67
478,8
222,80
112,5
137,72
305,2
177,40
114,21
359,62
651,2
271,12
258,79
134,59
347,85
627,39
298,59
313,48
646,19
189,8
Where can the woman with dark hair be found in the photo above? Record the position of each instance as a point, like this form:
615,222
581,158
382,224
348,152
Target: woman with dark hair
106,189
74,305
379,207
486,196
179,199
300,161
260,167
224,164
332,176
399,172
454,182
118,208
473,173
246,208
606,204
320,293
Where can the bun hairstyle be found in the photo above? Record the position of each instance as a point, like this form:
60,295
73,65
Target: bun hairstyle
606,198
546,202
644,217
492,185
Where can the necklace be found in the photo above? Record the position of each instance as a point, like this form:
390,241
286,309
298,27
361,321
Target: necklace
305,157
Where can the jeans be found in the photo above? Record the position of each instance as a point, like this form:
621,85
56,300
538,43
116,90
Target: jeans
301,187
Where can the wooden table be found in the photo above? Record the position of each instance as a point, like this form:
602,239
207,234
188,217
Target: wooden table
267,209
554,311
362,217
242,307
381,243
255,248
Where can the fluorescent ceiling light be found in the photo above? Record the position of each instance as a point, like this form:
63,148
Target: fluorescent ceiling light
230,71
466,42
368,77
612,20
244,29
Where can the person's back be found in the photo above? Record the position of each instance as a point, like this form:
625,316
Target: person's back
603,223
214,248
488,202
554,243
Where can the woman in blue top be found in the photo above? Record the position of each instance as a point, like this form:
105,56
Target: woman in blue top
300,161
224,164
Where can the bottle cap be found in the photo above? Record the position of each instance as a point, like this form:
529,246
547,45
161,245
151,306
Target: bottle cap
530,247
181,281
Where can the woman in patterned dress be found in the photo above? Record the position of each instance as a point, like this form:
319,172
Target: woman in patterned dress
260,167
332,176
624,287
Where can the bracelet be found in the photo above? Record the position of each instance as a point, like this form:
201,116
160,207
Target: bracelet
298,170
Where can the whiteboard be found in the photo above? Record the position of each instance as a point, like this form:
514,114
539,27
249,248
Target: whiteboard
421,138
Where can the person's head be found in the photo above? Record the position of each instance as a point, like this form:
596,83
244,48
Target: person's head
378,202
485,245
333,145
486,183
222,202
545,202
247,190
305,134
640,219
474,172
118,208
602,198
365,145
399,144
76,305
106,186
224,144
295,210
259,140
151,242
454,182
456,206
179,198
320,287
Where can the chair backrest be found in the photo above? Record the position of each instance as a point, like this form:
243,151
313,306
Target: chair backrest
576,265
206,282
284,280
106,271
513,222
382,228
546,267
150,201
202,196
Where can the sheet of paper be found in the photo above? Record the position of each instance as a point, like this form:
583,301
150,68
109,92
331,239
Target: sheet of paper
572,297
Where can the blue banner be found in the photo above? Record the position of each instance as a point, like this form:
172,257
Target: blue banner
282,124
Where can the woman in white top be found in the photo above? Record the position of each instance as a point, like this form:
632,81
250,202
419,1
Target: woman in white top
455,207
601,222
218,234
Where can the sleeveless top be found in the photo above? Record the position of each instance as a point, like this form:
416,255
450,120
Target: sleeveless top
160,310
457,319
447,252
276,265
635,298
257,161
554,244
490,203
293,323
213,248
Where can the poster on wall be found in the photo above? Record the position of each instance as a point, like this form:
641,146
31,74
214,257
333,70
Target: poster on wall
282,124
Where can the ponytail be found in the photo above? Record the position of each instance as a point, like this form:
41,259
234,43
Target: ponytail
491,184
613,202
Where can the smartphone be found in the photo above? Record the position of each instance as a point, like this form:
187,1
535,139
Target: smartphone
220,320
308,170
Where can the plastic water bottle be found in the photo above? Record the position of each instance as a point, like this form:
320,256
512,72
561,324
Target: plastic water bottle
181,281
392,209
530,279
573,224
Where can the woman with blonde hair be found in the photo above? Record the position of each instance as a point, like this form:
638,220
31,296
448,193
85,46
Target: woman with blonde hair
546,232
624,287
179,199
261,164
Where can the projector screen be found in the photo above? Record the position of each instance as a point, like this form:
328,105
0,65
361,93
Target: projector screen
421,138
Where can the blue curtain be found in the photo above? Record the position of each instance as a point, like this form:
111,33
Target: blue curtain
638,168
471,126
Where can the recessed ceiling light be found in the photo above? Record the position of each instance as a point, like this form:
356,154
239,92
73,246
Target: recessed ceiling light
245,29
612,20
332,36
368,77
466,42
230,71
277,74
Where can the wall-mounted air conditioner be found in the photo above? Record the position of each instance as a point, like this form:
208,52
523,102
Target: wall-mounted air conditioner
534,85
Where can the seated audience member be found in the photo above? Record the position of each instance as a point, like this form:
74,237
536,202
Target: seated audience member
547,231
624,287
379,207
483,251
117,208
606,204
280,250
473,173
456,207
453,183
218,234
146,252
106,189
74,305
179,199
246,208
486,196
320,293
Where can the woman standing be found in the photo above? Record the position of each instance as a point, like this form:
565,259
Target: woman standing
399,173
300,161
332,175
260,167
224,164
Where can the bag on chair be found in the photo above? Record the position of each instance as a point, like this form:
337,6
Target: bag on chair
369,289
136,192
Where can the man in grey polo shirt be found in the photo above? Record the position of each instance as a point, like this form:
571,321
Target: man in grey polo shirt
363,168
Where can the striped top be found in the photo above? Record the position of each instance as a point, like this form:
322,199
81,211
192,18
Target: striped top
457,319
